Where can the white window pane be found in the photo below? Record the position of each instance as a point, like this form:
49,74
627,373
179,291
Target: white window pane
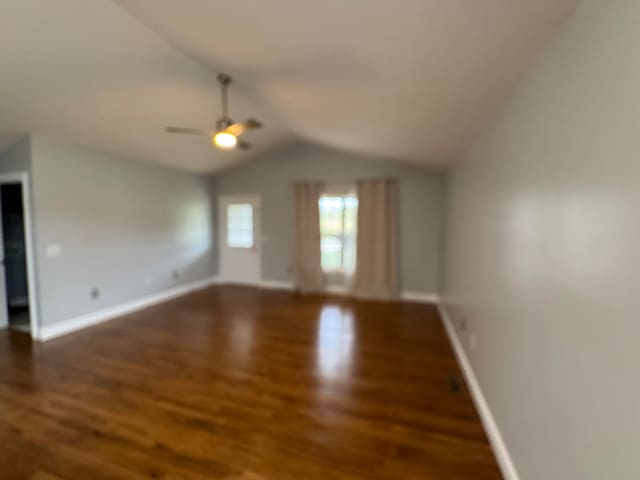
349,253
240,225
350,231
338,225
331,250
331,204
350,215
350,202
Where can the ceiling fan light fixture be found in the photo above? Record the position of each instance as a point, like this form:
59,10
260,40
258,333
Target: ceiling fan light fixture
225,140
226,130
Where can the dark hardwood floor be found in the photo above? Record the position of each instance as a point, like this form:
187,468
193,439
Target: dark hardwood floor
237,383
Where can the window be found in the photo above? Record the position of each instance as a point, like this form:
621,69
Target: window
338,224
240,225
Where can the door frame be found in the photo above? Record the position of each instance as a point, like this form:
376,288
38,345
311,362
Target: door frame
257,227
22,178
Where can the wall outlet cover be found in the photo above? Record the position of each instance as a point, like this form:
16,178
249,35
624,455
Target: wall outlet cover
54,250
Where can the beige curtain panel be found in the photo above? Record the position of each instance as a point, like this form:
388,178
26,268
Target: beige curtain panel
308,273
376,274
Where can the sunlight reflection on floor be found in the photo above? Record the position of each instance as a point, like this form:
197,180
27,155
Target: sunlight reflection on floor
335,339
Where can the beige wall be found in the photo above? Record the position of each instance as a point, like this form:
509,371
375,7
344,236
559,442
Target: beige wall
16,157
543,254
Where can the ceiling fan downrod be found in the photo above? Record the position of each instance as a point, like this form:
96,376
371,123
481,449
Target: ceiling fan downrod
224,121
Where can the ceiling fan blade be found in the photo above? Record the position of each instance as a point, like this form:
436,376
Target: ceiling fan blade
239,128
242,145
186,130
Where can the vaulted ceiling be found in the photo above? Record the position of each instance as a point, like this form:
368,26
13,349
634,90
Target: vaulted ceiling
412,80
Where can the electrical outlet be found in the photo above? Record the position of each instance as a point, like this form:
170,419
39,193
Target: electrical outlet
148,280
175,274
95,293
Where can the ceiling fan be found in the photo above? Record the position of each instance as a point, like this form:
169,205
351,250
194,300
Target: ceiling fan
227,133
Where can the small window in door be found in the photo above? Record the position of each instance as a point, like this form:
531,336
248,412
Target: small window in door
240,225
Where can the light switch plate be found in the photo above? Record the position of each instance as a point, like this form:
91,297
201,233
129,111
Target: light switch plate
54,250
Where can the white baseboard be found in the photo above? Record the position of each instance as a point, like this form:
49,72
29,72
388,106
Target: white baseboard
500,449
337,290
275,285
47,332
420,297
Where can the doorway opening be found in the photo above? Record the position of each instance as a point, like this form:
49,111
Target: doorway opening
18,304
15,257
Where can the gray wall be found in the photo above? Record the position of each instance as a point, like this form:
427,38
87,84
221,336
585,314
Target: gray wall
16,157
123,226
542,253
271,177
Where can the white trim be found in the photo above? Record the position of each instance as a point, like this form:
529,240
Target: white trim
404,296
275,285
498,444
64,327
337,290
23,179
238,283
420,297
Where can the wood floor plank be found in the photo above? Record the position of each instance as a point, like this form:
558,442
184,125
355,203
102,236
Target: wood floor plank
242,384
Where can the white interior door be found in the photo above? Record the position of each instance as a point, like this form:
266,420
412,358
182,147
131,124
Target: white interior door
240,249
4,314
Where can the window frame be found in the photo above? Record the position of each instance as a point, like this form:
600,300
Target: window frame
343,193
253,238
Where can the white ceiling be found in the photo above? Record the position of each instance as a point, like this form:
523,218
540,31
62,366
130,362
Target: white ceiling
407,79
